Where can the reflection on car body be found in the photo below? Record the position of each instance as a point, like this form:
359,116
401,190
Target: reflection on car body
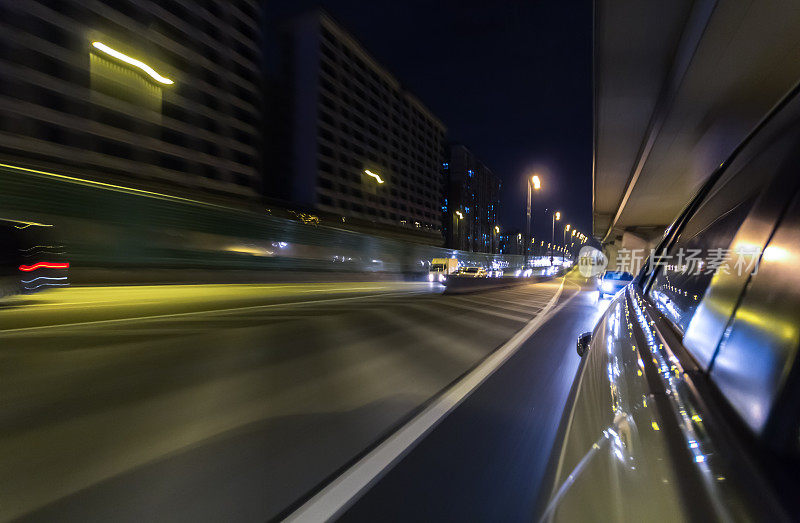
686,406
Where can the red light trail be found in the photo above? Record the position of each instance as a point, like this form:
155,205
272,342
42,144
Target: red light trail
46,265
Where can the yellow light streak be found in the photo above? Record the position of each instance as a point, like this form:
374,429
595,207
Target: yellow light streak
132,61
370,173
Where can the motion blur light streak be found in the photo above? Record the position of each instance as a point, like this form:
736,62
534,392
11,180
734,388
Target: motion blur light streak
44,278
132,61
25,225
45,265
113,187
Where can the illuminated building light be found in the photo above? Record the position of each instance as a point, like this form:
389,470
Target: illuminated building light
45,265
654,425
132,61
370,173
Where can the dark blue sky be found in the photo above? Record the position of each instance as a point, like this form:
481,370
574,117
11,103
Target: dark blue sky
511,80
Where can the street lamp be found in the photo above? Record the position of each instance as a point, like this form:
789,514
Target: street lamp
534,184
457,217
556,216
496,238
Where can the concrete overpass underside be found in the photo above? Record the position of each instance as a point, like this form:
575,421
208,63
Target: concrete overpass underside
677,86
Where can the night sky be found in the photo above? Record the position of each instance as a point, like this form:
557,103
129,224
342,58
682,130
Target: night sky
511,80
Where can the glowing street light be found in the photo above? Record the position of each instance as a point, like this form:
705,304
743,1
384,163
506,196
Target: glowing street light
556,216
534,184
457,217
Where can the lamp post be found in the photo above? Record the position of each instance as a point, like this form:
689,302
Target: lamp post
457,217
534,184
496,238
556,216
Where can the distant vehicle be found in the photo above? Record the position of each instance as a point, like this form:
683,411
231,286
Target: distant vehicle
686,406
611,282
30,260
472,272
441,268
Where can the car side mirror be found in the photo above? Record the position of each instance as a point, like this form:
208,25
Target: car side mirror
583,343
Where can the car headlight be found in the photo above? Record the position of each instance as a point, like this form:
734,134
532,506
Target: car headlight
608,286
441,277
430,277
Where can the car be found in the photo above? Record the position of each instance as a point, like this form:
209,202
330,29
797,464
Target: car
686,402
611,282
472,272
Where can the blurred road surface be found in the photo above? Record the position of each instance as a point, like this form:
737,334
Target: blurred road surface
187,403
488,459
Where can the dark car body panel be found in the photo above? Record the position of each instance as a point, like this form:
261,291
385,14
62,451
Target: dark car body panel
686,406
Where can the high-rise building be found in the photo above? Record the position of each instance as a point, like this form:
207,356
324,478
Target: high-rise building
155,93
471,203
511,242
363,146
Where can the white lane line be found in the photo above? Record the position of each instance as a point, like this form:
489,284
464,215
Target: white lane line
25,330
485,310
526,298
340,493
509,307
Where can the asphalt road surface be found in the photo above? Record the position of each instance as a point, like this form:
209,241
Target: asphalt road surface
487,460
198,403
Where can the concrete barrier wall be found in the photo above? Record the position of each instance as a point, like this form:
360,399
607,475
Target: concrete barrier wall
117,234
462,285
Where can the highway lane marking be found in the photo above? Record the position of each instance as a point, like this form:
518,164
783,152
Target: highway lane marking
505,305
25,330
512,303
343,491
528,312
484,310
